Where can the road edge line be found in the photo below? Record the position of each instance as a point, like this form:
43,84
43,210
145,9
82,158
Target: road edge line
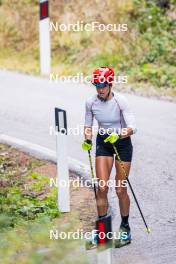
40,152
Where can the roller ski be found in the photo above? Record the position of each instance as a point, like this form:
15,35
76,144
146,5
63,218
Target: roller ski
124,237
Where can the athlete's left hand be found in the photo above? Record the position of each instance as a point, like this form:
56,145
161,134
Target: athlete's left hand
112,138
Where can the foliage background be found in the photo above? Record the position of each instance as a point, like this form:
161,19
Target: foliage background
146,52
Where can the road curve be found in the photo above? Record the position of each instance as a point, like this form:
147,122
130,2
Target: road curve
27,112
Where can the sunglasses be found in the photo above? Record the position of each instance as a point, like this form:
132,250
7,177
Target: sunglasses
101,85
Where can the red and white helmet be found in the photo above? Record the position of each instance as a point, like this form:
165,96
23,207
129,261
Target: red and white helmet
103,76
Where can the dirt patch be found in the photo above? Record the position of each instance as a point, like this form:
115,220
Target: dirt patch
48,169
82,199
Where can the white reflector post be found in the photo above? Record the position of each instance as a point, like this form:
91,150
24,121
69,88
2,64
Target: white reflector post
44,36
104,257
62,161
100,256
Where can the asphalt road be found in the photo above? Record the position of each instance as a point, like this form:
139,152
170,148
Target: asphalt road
27,112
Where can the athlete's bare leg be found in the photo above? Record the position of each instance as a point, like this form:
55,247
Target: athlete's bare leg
121,190
103,170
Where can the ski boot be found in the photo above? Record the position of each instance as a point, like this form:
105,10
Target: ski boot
124,237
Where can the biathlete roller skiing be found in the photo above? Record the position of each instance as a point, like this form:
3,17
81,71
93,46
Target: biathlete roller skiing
116,124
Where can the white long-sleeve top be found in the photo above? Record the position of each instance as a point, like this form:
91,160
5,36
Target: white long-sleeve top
113,114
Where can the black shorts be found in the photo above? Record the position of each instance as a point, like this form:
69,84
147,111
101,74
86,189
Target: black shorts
124,148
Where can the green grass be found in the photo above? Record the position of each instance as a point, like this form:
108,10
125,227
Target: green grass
28,211
20,197
12,60
29,242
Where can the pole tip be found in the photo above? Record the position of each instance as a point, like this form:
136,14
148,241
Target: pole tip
148,230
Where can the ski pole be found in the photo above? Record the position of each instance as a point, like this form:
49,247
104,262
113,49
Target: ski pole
121,163
92,172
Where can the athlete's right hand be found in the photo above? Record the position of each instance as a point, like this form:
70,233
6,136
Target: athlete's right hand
112,138
87,144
